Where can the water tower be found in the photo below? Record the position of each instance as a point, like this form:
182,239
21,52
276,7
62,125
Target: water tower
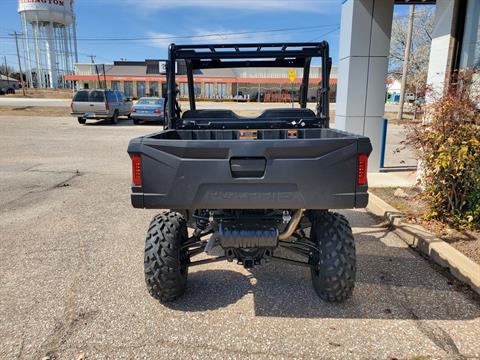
49,41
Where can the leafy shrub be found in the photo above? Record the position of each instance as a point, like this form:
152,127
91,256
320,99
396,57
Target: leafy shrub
448,146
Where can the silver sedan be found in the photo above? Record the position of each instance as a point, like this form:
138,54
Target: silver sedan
148,109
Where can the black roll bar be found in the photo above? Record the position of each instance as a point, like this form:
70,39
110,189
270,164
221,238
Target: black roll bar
210,56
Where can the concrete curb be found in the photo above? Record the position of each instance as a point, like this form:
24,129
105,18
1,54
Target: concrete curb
445,255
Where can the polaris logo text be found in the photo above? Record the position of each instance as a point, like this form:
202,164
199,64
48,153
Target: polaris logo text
250,196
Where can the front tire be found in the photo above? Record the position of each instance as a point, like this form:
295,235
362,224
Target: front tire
81,120
334,267
165,262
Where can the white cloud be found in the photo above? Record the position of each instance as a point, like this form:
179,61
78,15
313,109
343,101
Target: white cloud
312,6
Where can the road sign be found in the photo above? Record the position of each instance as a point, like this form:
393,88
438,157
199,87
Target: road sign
292,75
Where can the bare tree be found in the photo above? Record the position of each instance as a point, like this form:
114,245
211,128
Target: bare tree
6,70
420,50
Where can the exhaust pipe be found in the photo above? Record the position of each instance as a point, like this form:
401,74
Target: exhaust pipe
292,225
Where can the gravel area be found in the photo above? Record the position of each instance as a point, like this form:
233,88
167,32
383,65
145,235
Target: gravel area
72,287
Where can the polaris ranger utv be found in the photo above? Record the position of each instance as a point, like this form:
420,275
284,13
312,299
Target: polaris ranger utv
259,188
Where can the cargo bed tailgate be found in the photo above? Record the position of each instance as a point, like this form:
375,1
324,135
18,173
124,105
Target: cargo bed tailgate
219,170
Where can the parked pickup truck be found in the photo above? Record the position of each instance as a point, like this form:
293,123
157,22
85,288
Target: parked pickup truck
258,188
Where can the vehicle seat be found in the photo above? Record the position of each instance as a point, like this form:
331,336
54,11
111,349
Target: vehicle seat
286,113
209,114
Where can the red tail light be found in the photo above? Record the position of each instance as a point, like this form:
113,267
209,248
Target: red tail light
362,168
157,111
133,110
136,169
107,107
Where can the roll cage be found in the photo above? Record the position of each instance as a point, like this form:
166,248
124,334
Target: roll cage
296,55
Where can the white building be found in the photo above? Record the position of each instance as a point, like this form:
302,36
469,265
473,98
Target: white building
364,48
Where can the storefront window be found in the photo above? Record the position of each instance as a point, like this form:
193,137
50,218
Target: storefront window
222,90
140,88
153,88
128,88
198,90
209,90
183,87
470,56
115,85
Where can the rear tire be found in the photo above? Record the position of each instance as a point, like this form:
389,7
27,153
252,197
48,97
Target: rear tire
81,120
136,121
114,119
165,262
334,267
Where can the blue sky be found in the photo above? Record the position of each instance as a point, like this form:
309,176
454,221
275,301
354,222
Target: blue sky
320,20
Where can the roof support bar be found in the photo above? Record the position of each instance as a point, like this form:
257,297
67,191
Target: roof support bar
171,89
325,104
248,55
191,87
304,86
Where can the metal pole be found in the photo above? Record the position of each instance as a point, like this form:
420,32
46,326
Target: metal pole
304,87
104,77
291,92
51,56
75,38
408,45
19,64
26,51
384,143
6,69
171,91
191,85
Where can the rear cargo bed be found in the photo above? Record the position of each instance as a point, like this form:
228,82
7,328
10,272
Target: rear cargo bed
250,169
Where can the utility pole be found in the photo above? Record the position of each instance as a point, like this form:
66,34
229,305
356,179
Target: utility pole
19,64
408,45
6,70
92,57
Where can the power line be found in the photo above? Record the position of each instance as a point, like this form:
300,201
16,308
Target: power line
325,34
198,36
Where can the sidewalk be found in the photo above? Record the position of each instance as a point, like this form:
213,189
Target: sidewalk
392,179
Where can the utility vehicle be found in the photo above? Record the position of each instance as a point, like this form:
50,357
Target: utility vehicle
258,188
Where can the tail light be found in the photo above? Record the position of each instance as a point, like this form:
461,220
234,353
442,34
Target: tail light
107,106
71,105
362,168
136,169
157,111
133,110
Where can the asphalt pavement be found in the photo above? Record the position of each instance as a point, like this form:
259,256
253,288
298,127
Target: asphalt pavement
72,285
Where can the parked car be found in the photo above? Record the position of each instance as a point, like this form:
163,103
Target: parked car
100,104
148,109
7,90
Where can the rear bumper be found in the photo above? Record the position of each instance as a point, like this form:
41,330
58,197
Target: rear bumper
91,116
147,117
